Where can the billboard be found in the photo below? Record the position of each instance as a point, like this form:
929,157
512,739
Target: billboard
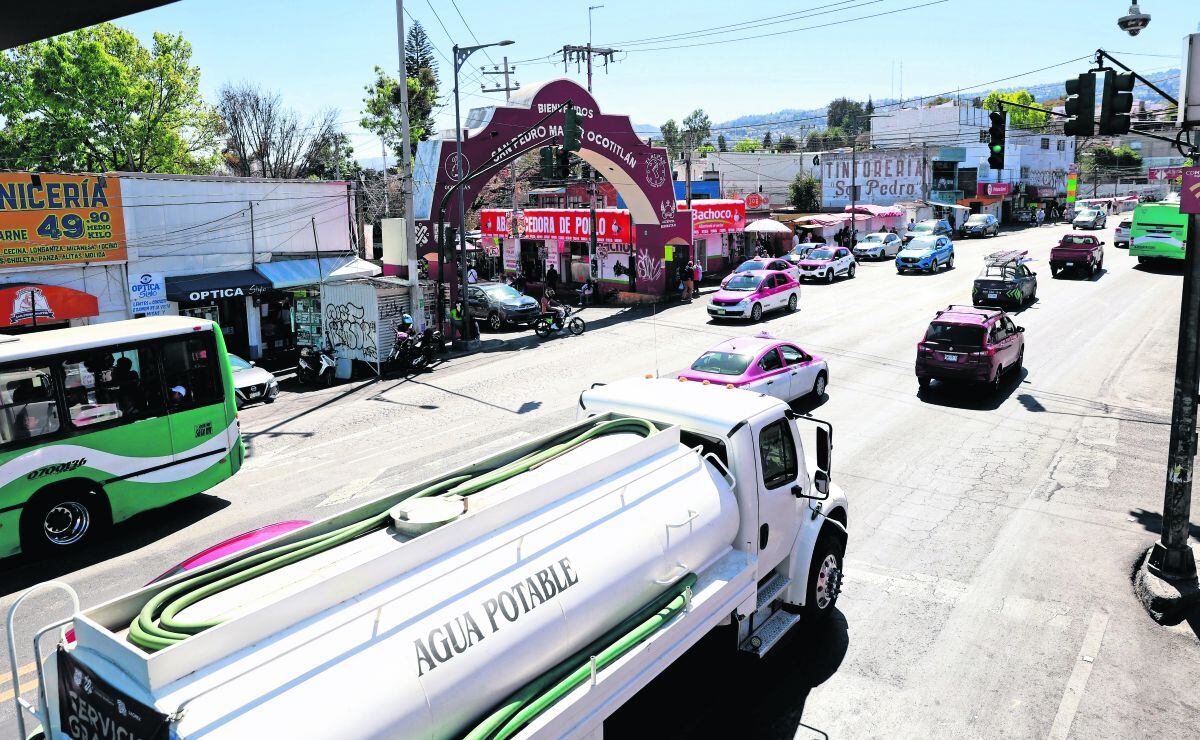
883,177
48,220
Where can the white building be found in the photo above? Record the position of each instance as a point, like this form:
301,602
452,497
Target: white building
742,174
244,252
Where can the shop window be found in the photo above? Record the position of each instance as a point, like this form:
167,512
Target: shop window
1045,143
191,373
778,454
105,386
28,409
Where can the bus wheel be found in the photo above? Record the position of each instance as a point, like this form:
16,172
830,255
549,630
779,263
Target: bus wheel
63,517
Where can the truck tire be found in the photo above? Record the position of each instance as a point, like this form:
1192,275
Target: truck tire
824,579
64,517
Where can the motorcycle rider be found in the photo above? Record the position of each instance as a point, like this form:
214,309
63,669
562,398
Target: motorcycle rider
551,306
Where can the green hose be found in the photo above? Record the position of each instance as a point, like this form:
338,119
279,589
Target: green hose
531,700
157,627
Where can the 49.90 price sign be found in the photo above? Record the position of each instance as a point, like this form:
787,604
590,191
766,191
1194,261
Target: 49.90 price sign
48,220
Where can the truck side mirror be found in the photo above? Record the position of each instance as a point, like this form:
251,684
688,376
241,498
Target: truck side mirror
824,445
821,484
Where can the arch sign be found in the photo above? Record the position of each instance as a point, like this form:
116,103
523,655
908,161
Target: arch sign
639,172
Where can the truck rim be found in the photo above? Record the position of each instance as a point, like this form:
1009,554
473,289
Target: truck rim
66,523
829,580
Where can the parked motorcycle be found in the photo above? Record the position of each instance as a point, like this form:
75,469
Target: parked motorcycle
554,322
408,351
316,366
432,342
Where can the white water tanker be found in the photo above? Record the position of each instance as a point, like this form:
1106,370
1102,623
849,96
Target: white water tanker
527,594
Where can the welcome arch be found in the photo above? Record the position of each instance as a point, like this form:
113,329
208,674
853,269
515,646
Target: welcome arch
640,173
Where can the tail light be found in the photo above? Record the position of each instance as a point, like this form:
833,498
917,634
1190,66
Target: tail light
923,351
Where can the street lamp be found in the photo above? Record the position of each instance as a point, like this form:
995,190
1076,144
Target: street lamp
460,56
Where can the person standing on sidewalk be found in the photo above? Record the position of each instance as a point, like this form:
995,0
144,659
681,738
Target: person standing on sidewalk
687,280
1041,216
697,276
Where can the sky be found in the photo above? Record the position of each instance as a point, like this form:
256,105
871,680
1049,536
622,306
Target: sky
321,54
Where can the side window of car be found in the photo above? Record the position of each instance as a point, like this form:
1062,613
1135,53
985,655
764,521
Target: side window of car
475,294
770,362
1009,327
778,454
997,333
792,355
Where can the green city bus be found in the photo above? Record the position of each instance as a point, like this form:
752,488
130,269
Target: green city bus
1158,230
101,422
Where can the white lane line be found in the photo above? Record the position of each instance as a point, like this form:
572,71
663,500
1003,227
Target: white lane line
1079,677
348,491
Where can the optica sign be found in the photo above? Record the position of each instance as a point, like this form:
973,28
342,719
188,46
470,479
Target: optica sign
716,216
568,224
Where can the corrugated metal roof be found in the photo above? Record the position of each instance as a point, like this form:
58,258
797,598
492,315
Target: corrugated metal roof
294,273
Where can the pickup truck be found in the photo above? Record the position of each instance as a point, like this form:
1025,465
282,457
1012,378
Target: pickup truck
528,594
1078,252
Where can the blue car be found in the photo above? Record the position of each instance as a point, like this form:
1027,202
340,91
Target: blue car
927,254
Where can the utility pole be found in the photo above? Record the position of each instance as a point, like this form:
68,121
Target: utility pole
509,87
387,211
584,54
853,183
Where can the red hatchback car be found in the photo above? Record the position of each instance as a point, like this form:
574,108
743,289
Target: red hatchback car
973,343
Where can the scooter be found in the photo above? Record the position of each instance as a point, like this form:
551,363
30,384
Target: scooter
432,342
550,323
316,366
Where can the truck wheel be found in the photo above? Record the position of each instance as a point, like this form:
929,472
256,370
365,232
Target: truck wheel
63,518
824,579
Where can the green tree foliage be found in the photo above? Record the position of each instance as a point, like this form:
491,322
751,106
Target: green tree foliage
1103,162
870,108
706,149
722,146
767,142
96,99
848,115
1017,117
746,145
672,138
418,53
804,193
828,138
696,127
381,108
787,144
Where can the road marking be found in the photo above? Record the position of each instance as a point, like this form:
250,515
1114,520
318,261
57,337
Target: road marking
24,670
348,491
26,687
1079,677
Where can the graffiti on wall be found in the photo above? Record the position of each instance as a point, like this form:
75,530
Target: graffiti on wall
351,334
648,268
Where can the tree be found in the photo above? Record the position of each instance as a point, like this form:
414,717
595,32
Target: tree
721,145
418,53
746,145
381,111
788,144
1107,163
870,108
706,149
828,138
263,138
672,138
1017,117
767,140
804,193
847,114
96,99
696,128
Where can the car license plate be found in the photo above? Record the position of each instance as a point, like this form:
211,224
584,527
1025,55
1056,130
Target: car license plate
992,295
719,310
1070,264
950,358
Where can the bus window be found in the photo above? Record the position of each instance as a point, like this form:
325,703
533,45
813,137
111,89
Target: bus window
27,406
104,386
191,373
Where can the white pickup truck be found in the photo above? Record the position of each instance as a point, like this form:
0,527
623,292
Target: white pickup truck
529,594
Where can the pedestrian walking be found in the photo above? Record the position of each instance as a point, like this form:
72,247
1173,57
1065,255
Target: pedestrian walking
552,279
688,278
795,239
472,274
697,276
1041,216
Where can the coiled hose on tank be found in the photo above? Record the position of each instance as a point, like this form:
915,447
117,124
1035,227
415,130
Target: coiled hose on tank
157,625
539,694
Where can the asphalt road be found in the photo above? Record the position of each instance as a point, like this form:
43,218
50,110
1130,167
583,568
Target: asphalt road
991,538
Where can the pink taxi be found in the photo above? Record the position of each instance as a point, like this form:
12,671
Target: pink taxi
764,364
749,294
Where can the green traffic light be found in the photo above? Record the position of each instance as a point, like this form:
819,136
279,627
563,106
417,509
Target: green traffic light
997,148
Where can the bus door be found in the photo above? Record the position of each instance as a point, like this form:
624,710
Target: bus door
194,389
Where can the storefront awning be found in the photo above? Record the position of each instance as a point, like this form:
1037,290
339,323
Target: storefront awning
211,286
23,304
294,273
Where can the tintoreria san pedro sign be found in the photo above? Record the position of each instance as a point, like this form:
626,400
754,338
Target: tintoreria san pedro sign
640,173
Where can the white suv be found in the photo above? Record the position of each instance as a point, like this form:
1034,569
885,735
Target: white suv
1121,236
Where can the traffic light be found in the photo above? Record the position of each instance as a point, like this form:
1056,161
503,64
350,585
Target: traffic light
562,164
1116,103
1081,105
546,163
572,134
999,121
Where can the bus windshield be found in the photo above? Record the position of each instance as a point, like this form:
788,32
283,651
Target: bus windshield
138,414
1158,230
